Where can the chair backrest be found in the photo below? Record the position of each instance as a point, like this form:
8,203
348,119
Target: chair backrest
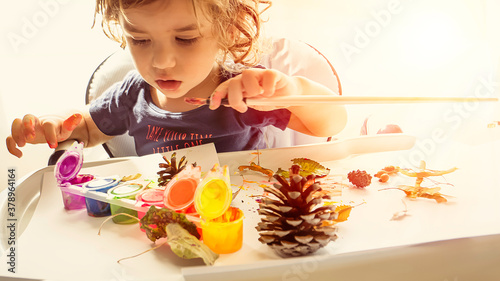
291,57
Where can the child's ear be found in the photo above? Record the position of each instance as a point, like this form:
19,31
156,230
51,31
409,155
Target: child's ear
233,33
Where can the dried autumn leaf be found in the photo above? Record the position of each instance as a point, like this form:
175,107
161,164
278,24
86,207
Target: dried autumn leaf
344,211
187,246
417,190
424,192
307,167
423,173
257,168
131,177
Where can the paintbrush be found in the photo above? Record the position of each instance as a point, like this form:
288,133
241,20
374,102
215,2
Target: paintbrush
305,100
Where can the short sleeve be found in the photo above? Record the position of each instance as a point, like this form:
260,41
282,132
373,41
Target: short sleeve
110,112
278,118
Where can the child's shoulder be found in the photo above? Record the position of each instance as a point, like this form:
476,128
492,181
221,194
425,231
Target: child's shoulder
133,78
132,82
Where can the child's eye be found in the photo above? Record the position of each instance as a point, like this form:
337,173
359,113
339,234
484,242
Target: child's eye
187,41
139,42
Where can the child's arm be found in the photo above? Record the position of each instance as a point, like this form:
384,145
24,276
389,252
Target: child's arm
320,120
53,129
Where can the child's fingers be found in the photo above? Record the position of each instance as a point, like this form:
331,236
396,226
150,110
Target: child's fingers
269,83
235,95
17,132
49,130
251,83
71,122
12,147
217,96
29,126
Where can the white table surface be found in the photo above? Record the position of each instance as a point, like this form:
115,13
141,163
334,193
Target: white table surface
457,240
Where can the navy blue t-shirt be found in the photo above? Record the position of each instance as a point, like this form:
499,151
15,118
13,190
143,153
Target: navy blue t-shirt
128,106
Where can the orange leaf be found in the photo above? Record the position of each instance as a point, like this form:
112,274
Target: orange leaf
257,168
424,192
343,211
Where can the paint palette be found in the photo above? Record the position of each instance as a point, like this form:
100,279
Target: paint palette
111,195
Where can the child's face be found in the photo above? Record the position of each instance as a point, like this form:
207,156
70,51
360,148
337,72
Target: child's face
169,50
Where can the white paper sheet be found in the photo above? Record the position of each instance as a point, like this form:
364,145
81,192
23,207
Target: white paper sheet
56,240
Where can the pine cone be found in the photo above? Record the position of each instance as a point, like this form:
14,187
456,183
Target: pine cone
359,178
170,169
293,222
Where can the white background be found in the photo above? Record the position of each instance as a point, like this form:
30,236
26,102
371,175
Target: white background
48,51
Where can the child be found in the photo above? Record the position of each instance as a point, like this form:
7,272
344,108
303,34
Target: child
180,49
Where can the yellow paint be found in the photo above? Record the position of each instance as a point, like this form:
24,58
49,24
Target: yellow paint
224,235
214,197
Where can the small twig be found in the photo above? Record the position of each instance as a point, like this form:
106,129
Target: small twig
237,192
115,215
389,188
154,248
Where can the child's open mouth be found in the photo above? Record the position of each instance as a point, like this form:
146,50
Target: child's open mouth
168,85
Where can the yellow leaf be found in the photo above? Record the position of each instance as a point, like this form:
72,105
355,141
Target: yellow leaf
344,211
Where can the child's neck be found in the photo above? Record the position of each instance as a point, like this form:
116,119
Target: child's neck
202,90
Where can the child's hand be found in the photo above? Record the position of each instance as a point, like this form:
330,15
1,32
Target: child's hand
253,83
50,129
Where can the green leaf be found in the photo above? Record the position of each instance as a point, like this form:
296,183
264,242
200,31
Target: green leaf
155,221
187,246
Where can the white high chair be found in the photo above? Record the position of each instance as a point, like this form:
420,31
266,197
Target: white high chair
288,56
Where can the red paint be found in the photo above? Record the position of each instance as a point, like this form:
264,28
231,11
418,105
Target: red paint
196,101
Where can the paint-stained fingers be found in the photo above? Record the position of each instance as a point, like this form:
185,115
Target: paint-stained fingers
70,123
216,99
50,131
29,123
17,132
219,94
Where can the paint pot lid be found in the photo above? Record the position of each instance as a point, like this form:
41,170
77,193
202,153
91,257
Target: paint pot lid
125,190
213,195
179,192
69,164
101,183
151,196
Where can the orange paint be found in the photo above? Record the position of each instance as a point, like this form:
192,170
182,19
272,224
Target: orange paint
72,121
181,193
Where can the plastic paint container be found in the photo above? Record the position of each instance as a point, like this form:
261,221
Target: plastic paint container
222,225
224,235
66,173
124,191
96,208
179,192
149,197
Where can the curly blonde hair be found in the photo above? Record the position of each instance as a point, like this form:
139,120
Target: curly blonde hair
236,24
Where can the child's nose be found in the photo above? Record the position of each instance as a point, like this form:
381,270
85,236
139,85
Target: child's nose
163,57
